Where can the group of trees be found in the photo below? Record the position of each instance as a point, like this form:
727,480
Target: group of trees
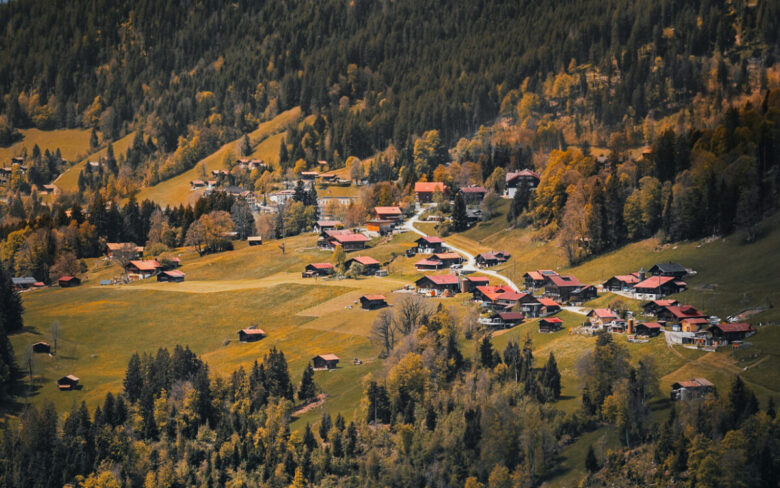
10,321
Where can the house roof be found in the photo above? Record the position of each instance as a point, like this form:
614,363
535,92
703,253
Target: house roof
630,278
41,344
670,267
431,239
428,262
603,313
473,189
67,278
494,255
663,303
328,223
478,279
388,210
146,264
694,383
428,186
24,280
511,315
493,293
548,302
651,325
329,357
447,255
70,377
255,238
448,279
737,327
365,260
654,282
559,280
697,320
346,236
374,297
554,320
174,273
253,331
321,265
523,172
684,311
535,275
115,246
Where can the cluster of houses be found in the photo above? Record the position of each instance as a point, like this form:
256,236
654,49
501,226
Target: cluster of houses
561,288
661,280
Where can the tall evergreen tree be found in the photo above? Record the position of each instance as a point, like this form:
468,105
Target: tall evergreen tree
460,221
307,391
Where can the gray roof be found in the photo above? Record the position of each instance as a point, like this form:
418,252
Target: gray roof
670,268
24,280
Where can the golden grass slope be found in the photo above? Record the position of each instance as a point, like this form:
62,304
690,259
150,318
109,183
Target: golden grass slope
73,143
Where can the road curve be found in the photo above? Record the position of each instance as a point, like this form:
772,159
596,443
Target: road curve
471,262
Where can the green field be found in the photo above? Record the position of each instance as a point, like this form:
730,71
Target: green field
73,143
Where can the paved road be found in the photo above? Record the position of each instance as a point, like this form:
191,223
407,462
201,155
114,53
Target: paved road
471,262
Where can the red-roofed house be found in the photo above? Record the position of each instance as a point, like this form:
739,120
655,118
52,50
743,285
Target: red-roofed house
140,270
428,264
676,313
552,324
173,275
68,383
688,390
472,195
318,269
323,225
425,190
449,258
392,214
348,240
370,265
549,306
250,335
732,332
325,361
373,302
694,324
470,283
533,280
621,282
503,319
657,287
68,281
561,288
429,244
649,329
113,247
525,178
487,259
438,284
652,308
604,318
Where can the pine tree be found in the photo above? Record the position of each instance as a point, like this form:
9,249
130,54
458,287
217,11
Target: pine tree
460,220
591,463
486,352
10,304
93,139
551,377
246,146
325,425
307,391
134,382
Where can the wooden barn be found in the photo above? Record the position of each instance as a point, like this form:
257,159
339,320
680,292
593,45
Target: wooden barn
250,335
373,302
551,324
255,240
370,265
41,348
325,361
68,281
318,269
649,329
68,383
173,275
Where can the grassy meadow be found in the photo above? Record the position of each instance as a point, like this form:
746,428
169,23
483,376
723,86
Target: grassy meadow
73,143
68,181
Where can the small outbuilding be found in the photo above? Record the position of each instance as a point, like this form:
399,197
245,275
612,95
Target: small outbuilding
41,348
325,361
318,269
255,240
250,335
68,383
688,390
173,275
68,281
550,324
649,329
731,332
373,302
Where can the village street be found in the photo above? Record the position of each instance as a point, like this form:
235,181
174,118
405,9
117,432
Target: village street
471,262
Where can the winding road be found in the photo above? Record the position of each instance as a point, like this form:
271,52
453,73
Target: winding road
471,262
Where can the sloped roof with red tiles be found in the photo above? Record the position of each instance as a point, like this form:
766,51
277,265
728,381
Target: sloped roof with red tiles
374,297
366,260
535,275
737,327
630,278
522,172
511,315
428,186
146,265
548,302
347,237
321,265
174,273
493,293
684,311
478,279
448,279
431,239
652,325
253,331
428,262
387,210
67,278
654,282
603,313
329,357
559,280
665,303
554,320
447,255
473,189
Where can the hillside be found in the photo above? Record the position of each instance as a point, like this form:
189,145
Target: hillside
73,143
68,181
